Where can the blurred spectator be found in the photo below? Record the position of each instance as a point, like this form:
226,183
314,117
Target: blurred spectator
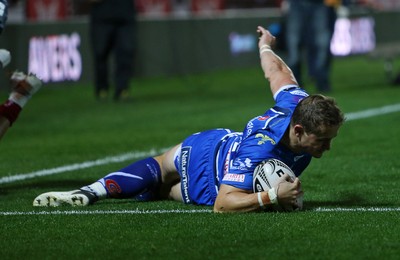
154,7
252,3
113,28
207,6
46,10
309,26
378,4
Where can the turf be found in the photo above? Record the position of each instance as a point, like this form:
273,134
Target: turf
352,208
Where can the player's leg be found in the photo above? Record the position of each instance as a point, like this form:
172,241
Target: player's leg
101,37
170,175
5,58
321,28
294,32
23,87
137,178
176,192
124,59
4,125
150,175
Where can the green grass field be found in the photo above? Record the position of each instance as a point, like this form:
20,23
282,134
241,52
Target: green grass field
352,208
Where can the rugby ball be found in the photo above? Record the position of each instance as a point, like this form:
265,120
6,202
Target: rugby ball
269,173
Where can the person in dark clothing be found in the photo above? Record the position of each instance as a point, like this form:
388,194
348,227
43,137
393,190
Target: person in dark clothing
310,25
113,29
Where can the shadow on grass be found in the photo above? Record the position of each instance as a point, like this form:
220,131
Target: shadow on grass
345,200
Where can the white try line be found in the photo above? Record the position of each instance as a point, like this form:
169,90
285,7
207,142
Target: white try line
136,155
173,211
104,212
358,209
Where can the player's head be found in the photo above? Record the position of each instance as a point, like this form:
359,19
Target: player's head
316,121
317,112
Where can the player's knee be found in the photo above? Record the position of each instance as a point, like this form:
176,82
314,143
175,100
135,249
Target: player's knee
176,193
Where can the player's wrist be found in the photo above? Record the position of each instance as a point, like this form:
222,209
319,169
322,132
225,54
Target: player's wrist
265,48
273,196
267,198
260,200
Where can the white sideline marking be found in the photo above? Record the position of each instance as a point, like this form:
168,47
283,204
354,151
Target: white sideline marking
135,155
174,211
79,166
373,112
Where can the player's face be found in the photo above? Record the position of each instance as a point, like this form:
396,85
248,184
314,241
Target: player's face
316,145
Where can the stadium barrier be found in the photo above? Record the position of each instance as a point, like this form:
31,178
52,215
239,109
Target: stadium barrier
60,52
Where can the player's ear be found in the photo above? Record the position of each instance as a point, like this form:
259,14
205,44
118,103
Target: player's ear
298,130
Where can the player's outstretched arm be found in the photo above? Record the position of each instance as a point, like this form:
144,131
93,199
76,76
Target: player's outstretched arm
275,69
231,199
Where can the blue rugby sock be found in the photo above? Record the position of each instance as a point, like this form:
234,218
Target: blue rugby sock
135,179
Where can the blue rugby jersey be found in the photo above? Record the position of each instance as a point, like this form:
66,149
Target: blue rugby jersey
240,153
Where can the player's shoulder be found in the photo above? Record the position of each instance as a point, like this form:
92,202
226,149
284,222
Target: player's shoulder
291,93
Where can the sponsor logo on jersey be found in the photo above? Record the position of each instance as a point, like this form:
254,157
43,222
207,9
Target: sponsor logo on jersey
247,162
238,164
263,118
185,157
234,177
264,139
299,92
250,126
296,158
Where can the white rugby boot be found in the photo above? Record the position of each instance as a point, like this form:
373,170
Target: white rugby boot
72,198
26,85
23,87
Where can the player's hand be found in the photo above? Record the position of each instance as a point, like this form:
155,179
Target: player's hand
288,191
265,37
